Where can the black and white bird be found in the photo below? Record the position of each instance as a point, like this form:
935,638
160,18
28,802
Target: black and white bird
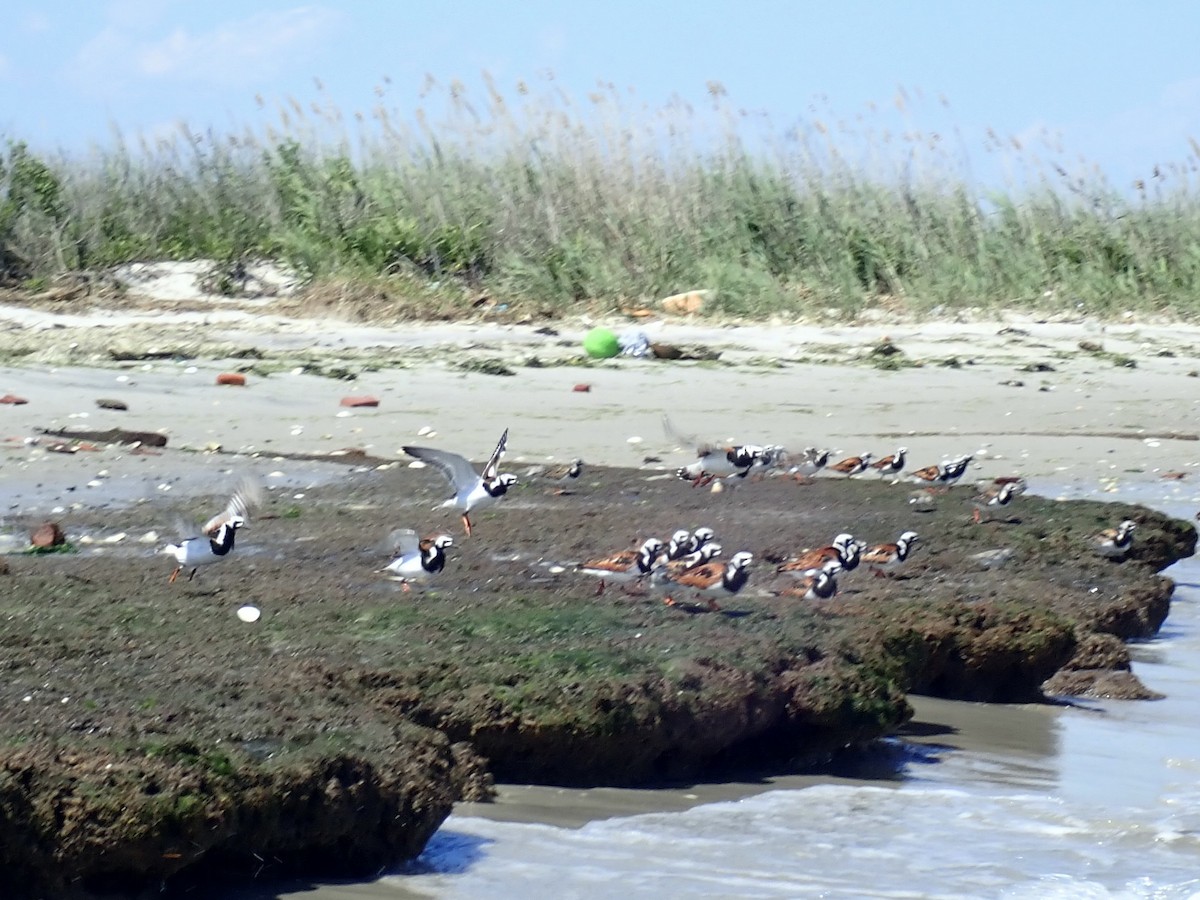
1115,543
994,498
472,490
558,475
885,559
716,461
624,565
852,465
816,584
713,579
417,558
811,462
892,464
216,538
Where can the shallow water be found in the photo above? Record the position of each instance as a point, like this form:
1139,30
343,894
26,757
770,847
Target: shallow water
1100,799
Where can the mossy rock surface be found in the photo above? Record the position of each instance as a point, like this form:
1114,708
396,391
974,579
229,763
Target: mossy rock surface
163,737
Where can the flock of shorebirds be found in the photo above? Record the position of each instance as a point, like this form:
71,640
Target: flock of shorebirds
685,563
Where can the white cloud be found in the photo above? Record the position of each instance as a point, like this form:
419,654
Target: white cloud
232,53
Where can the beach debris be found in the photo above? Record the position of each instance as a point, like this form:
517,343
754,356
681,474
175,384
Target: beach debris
249,613
600,343
670,351
688,303
357,402
47,535
119,405
581,388
635,343
234,379
485,367
111,436
885,347
425,430
13,400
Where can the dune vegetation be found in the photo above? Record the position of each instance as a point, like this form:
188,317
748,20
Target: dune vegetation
559,204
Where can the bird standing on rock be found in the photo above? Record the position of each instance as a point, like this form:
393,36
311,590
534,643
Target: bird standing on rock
1115,543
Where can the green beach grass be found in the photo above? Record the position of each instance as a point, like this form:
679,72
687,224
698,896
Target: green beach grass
571,206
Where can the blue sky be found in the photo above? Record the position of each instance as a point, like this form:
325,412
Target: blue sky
1113,83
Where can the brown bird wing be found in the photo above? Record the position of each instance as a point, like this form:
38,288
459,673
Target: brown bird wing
880,553
813,559
701,577
617,562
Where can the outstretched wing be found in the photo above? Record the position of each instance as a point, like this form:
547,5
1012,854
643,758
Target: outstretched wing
489,471
457,469
247,496
702,448
404,542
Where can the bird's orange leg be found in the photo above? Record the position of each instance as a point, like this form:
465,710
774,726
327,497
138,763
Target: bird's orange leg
174,575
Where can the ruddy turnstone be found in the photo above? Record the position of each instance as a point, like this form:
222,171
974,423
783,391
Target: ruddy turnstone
955,469
472,490
852,465
931,474
817,583
844,550
679,545
714,579
699,538
945,473
1115,543
559,475
418,558
811,462
667,570
624,565
892,464
216,538
886,558
714,461
993,498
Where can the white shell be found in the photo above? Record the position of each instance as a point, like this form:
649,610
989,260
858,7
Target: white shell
249,613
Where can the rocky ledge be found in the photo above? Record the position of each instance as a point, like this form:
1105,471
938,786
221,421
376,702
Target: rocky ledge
148,735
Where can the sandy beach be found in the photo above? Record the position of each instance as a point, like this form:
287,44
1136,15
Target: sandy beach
1020,394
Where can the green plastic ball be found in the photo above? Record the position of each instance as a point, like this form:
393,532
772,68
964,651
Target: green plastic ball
600,343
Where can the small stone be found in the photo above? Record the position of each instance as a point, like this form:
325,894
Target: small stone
47,535
582,388
355,402
119,405
993,559
13,400
236,379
